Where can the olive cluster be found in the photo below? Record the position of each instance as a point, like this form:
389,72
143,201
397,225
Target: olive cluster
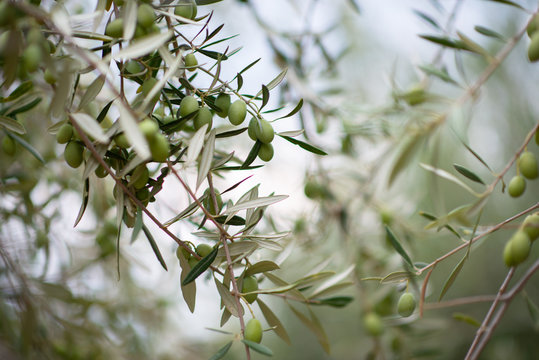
519,245
533,48
201,250
526,168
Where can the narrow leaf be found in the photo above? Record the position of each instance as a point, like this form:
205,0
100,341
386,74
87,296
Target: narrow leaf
396,277
228,300
337,301
510,3
293,112
427,18
85,198
19,91
488,32
129,125
92,91
468,173
200,267
451,279
265,96
304,145
263,201
221,352
153,244
261,267
28,147
273,321
252,155
143,46
189,291
314,325
259,348
398,247
444,174
12,124
90,126
195,146
466,319
206,158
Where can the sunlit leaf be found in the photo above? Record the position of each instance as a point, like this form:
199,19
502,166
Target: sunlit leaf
12,124
206,158
196,144
263,201
92,91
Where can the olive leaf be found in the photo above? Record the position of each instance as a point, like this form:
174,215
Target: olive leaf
259,348
397,246
273,321
222,351
200,267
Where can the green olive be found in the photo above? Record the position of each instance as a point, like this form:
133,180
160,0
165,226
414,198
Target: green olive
249,284
115,28
252,128
313,190
8,145
527,164
121,141
222,101
533,48
145,15
508,257
183,252
140,177
204,250
521,246
188,105
532,25
516,186
203,117
190,62
373,324
531,226
159,147
73,154
149,128
49,77
64,134
210,205
100,172
31,57
133,67
253,331
193,261
265,153
148,85
406,304
186,9
237,112
265,132
537,137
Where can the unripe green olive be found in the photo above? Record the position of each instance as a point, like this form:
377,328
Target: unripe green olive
203,117
253,331
373,324
313,190
183,252
188,105
532,26
508,257
266,152
140,177
149,128
31,57
533,48
406,304
145,15
516,186
64,134
148,85
133,67
222,101
265,132
204,250
49,77
121,141
249,284
192,261
186,9
8,145
531,226
537,137
159,147
251,129
115,28
237,112
210,205
190,62
527,163
73,154
100,172
520,246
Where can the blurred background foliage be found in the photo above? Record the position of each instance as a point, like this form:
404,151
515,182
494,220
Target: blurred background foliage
371,88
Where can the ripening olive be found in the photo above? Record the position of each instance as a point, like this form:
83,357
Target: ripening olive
516,186
129,220
145,16
249,284
159,147
121,141
64,134
149,128
531,226
140,177
115,28
222,101
190,62
186,9
406,304
533,48
203,117
527,163
31,57
265,153
265,132
237,112
253,331
188,105
73,154
373,324
251,129
8,145
204,250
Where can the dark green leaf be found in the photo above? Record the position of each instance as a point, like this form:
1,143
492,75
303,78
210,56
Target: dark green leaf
85,198
487,32
138,226
444,41
259,348
25,107
19,91
337,301
240,81
207,2
252,154
200,267
467,319
214,32
427,18
304,145
104,112
265,96
153,244
249,66
28,147
451,279
468,173
213,54
295,110
235,220
221,352
507,2
230,133
396,244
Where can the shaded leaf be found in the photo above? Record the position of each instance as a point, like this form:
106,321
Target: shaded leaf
234,220
313,324
228,300
468,173
398,247
22,89
533,309
441,74
259,348
452,277
92,91
28,147
444,41
221,352
466,319
265,96
252,155
189,291
337,301
273,321
405,156
507,2
293,112
85,198
153,244
427,18
334,288
200,267
259,202
488,32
